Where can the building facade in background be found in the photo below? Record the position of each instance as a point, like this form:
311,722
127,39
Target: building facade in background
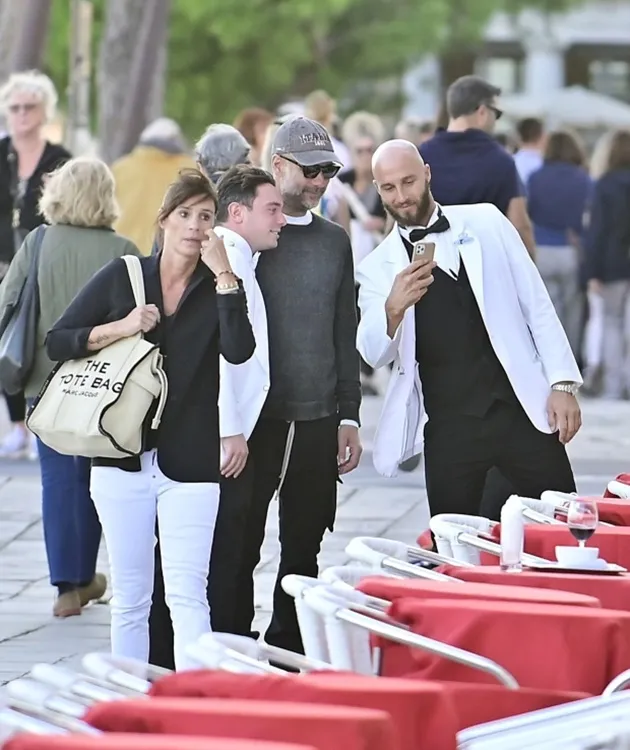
533,54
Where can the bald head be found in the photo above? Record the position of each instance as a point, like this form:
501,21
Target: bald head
396,149
402,179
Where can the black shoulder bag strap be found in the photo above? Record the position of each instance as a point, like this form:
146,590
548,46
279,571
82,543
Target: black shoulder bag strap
17,200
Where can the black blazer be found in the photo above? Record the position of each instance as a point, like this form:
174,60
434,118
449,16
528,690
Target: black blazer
204,325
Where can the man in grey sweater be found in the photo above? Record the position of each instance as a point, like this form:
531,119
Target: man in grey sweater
308,433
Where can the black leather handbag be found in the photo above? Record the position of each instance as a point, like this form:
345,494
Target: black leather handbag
18,328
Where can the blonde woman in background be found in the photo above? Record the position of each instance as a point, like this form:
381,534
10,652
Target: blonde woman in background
28,101
78,202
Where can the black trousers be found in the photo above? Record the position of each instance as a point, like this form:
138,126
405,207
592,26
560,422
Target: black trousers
496,491
225,559
460,451
307,507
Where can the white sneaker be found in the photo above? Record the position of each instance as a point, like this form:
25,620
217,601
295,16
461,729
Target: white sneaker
15,443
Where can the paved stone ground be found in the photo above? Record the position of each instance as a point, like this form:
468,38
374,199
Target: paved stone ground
369,505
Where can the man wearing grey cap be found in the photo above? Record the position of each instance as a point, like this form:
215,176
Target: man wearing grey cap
308,431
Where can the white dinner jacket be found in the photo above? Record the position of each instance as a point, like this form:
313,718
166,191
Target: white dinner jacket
243,388
519,316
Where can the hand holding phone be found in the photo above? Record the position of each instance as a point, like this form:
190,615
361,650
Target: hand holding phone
423,251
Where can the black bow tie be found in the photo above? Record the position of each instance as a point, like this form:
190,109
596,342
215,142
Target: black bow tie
441,225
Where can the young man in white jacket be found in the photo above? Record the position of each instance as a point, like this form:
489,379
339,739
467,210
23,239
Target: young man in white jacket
483,374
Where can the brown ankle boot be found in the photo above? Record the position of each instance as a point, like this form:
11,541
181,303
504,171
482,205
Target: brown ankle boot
94,590
67,605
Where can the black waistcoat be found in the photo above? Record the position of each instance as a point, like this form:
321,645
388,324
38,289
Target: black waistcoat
459,370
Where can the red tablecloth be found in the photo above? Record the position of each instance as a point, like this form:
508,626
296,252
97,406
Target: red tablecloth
423,713
141,742
326,727
544,646
613,543
612,591
397,588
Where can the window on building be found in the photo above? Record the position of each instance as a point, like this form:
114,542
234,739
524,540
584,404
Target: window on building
610,77
504,72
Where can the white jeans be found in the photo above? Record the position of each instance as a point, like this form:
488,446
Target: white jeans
127,503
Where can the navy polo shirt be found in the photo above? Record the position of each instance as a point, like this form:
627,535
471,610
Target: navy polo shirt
471,167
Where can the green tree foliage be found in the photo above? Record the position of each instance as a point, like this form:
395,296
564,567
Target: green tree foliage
224,56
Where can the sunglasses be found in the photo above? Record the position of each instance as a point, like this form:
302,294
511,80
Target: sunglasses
498,113
327,170
15,108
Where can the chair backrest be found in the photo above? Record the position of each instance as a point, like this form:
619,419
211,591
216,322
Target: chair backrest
578,721
311,626
393,558
447,527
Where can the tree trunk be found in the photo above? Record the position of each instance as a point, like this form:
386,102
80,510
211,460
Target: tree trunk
31,34
10,19
132,67
123,24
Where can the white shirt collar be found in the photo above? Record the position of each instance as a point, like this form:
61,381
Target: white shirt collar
234,239
446,251
300,220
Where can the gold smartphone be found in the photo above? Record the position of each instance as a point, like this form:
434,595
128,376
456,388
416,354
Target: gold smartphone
423,250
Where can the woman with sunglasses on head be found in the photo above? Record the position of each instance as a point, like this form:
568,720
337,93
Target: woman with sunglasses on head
28,102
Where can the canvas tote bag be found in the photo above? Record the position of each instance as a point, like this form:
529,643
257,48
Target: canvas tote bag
95,406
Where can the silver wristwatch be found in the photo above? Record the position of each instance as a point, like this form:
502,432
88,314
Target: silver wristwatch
571,388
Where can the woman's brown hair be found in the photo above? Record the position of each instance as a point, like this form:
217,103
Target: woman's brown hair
564,146
190,183
619,154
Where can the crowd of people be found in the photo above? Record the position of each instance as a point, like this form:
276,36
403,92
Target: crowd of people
285,260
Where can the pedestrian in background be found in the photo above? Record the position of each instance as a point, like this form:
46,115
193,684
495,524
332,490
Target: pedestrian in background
28,101
79,204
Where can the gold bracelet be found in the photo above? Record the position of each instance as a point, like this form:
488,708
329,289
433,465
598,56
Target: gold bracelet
232,286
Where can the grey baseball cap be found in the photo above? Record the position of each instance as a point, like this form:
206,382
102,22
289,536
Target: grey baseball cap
305,141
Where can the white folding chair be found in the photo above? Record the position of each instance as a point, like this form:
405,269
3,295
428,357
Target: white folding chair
578,720
122,674
561,500
238,653
619,489
345,579
464,537
14,722
397,558
348,631
311,626
539,511
43,703
85,687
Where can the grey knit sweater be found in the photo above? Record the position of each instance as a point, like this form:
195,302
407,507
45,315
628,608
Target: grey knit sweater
308,286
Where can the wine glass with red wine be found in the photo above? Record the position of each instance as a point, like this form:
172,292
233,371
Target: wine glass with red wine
582,519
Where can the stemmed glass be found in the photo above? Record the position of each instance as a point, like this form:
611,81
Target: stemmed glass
582,519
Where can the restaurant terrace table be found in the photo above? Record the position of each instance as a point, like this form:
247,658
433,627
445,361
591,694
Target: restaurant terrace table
423,713
326,727
546,646
140,742
400,588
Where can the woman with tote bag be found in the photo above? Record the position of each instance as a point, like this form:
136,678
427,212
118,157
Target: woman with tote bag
195,310
78,203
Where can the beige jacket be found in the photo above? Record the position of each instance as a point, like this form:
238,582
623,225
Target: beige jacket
69,257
